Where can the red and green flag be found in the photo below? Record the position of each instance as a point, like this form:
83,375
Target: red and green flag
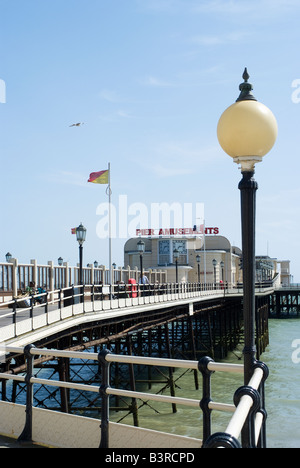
99,177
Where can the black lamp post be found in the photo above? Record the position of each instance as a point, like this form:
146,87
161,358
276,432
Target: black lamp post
60,262
247,131
222,270
198,258
141,250
214,262
176,256
8,257
80,236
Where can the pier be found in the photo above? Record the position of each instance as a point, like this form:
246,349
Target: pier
285,302
172,324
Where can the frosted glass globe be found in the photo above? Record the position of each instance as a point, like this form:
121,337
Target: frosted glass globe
247,131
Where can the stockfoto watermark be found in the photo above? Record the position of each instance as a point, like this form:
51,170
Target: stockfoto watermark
128,219
2,92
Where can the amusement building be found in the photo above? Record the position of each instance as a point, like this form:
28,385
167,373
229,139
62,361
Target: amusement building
200,259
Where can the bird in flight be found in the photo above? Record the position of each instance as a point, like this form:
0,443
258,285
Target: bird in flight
77,124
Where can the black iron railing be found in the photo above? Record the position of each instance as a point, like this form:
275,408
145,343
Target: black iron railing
248,408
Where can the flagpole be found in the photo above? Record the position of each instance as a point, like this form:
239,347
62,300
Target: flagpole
204,250
109,228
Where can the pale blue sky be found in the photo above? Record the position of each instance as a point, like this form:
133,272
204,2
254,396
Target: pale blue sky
149,79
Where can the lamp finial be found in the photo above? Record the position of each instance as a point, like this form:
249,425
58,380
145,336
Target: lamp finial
246,89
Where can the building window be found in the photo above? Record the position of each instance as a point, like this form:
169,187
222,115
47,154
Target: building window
166,249
164,252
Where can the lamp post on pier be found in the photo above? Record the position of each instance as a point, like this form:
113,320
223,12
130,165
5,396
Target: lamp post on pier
176,257
8,257
198,258
222,264
247,131
141,250
214,262
80,236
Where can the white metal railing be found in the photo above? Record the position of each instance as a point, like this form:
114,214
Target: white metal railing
239,418
16,277
250,409
206,366
44,308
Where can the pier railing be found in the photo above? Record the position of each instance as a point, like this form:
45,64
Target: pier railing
16,277
30,312
249,400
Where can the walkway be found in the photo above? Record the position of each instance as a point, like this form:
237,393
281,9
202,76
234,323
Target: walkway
7,443
22,326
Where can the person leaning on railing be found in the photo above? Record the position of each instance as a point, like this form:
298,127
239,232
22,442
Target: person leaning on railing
31,288
43,295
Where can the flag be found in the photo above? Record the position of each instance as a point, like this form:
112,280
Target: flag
73,230
198,229
99,177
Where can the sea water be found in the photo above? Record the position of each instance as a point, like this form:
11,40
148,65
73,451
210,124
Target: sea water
283,385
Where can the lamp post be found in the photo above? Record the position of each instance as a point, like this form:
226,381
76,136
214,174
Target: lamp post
80,236
214,262
8,257
176,256
247,131
222,269
141,250
96,273
198,258
60,262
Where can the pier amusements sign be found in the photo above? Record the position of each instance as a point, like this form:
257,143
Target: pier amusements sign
195,231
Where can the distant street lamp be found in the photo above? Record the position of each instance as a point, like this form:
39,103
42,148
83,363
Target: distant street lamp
247,131
8,257
80,236
176,256
214,262
60,262
222,264
198,258
141,250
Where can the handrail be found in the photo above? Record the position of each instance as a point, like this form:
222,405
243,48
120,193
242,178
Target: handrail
239,418
141,289
85,299
249,401
154,288
92,299
246,398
